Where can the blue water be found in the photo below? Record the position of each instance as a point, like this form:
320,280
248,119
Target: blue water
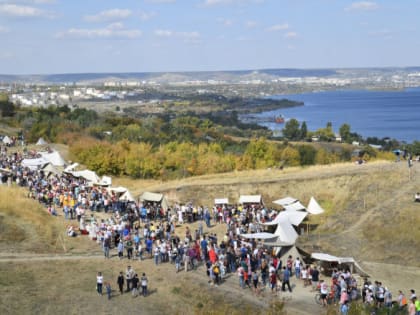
394,114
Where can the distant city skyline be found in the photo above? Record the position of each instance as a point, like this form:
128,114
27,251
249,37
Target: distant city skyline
57,36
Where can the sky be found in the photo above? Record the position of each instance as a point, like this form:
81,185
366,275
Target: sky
85,36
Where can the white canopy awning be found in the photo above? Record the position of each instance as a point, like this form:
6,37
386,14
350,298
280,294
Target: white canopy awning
261,235
126,196
155,197
90,176
33,164
286,232
105,181
294,217
250,199
296,206
314,207
118,190
53,157
71,167
331,258
221,201
285,201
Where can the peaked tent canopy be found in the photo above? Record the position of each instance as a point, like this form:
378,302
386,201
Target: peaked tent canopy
118,190
294,217
33,164
54,158
127,196
51,169
154,197
90,176
7,140
296,206
105,181
285,201
261,235
250,199
41,141
286,232
71,167
327,259
314,207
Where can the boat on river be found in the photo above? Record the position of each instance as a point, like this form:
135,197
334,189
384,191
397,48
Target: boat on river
279,119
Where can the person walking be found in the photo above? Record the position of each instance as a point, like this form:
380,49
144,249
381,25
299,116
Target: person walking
135,285
120,282
108,289
144,282
129,275
286,279
99,283
314,278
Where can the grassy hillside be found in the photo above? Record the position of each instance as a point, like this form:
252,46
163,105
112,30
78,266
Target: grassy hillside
370,213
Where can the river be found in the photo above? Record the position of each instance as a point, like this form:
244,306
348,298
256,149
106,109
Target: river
394,114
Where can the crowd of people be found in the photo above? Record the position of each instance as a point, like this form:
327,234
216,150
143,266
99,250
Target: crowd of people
141,230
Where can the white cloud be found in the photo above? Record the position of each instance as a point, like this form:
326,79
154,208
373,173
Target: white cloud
225,22
16,10
163,33
112,31
363,6
145,16
189,37
278,27
291,35
29,1
251,24
109,15
210,3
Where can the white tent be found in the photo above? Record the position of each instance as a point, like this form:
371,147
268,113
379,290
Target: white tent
154,197
327,259
250,199
296,206
221,201
41,141
294,217
71,167
34,164
90,176
51,169
118,190
331,258
54,158
285,201
261,235
285,232
314,207
7,140
126,196
105,181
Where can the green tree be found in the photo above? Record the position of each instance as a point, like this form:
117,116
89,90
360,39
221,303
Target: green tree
303,131
291,130
345,133
307,154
